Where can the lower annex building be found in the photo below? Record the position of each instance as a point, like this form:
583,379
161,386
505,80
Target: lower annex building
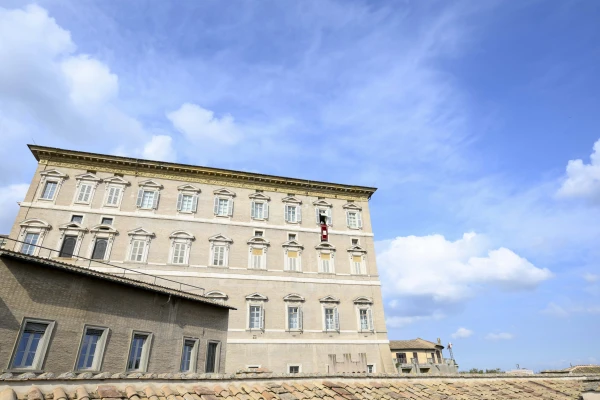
252,241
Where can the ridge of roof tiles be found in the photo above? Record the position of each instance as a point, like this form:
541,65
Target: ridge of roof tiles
416,344
317,389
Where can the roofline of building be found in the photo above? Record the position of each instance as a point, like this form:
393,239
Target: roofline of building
109,277
437,345
54,156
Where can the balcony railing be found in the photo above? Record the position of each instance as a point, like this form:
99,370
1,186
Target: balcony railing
51,254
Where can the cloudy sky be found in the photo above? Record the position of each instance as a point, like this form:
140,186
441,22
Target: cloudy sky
479,122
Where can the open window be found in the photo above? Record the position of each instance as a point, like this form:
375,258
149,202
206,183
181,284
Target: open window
139,351
91,349
189,354
323,207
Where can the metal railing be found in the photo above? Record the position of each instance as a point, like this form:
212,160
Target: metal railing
47,253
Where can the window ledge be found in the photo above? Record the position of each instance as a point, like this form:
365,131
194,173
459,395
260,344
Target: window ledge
292,271
42,199
222,216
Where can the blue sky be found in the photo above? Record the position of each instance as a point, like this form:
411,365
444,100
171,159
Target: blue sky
476,120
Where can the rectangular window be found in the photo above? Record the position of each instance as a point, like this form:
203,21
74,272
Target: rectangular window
113,196
179,253
187,203
326,212
78,219
31,240
370,369
415,359
147,199
401,357
85,193
257,258
188,355
354,242
99,249
49,190
326,263
293,261
331,319
352,220
255,317
212,357
223,207
68,246
292,236
137,250
258,210
106,221
357,263
258,233
294,369
90,354
218,255
32,345
138,354
439,356
291,213
294,318
365,324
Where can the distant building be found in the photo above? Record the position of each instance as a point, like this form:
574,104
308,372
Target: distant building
419,356
576,369
57,317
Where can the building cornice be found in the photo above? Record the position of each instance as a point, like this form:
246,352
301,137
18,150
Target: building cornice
190,173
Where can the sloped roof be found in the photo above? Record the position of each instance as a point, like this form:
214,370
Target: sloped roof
293,387
43,262
414,344
576,369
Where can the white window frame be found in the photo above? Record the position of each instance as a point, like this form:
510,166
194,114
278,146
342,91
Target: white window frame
99,353
330,302
291,201
353,208
357,251
117,183
42,347
145,356
258,242
373,368
111,217
34,226
294,300
217,356
326,248
259,198
187,190
52,175
294,246
322,205
366,304
100,231
193,356
71,229
184,239
289,366
146,238
223,194
85,180
148,186
256,300
216,241
77,215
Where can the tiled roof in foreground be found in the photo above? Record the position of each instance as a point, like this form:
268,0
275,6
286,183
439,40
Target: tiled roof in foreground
304,387
414,344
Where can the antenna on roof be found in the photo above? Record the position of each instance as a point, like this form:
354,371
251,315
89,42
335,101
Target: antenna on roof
450,350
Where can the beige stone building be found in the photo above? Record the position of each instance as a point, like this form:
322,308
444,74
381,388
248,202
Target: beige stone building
419,356
250,240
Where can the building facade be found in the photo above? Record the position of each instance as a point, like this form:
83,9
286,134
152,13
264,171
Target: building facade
251,241
419,356
57,317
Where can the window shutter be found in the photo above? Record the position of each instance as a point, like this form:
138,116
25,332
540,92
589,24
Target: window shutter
179,201
156,196
336,319
348,218
262,317
329,219
300,316
359,219
285,213
370,319
299,212
253,209
318,212
266,210
194,203
230,206
216,207
81,192
139,197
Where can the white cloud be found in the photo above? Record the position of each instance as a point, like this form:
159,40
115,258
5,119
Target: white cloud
436,268
499,336
159,148
591,278
90,82
402,321
9,196
200,124
583,180
570,309
462,333
555,310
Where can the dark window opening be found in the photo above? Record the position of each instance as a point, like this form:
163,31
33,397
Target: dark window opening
68,246
211,357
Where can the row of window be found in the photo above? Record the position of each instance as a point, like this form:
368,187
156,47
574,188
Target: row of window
295,313
181,242
149,191
34,338
402,358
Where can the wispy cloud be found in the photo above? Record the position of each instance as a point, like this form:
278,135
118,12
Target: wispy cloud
499,336
462,333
